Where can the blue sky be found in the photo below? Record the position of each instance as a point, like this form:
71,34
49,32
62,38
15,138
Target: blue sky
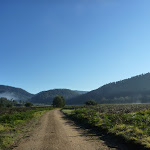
79,45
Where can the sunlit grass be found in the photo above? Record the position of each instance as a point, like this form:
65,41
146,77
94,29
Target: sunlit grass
132,126
11,125
67,111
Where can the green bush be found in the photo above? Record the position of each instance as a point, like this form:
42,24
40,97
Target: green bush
28,104
59,101
91,102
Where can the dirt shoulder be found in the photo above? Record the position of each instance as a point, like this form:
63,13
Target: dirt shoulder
56,133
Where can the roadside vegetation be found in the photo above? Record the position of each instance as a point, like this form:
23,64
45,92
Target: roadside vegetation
14,121
130,123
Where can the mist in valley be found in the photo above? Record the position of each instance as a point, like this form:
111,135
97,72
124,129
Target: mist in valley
9,96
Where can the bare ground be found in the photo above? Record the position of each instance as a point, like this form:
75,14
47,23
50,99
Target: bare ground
56,133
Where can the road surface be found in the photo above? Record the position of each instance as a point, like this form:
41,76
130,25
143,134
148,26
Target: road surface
54,132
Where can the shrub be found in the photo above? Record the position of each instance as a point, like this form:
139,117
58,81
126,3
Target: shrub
91,102
28,104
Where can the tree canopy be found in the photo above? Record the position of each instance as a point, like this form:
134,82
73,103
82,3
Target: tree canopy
28,104
91,102
59,101
4,102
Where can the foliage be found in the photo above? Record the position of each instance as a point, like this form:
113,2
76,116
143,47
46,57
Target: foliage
74,106
9,105
12,119
4,102
11,123
28,104
113,108
67,111
59,101
91,102
12,110
131,125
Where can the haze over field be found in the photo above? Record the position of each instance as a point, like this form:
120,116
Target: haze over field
78,45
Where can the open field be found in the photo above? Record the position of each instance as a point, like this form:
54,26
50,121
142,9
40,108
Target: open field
5,110
130,123
113,108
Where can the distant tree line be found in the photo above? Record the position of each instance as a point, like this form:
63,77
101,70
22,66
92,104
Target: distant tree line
132,90
126,100
4,102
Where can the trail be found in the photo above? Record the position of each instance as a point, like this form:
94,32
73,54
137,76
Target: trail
56,133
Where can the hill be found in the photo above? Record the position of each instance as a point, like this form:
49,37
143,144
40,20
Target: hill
81,92
132,90
46,97
14,93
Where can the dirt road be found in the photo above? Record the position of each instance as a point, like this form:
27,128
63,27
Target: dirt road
56,133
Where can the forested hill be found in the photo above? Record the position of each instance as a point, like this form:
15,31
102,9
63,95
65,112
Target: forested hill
46,97
14,93
132,90
81,92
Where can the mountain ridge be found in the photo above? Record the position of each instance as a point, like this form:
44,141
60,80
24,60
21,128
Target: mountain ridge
15,93
46,97
129,90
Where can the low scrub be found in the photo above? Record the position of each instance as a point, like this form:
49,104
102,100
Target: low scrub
12,124
132,127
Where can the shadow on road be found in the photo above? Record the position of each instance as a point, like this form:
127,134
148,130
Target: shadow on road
111,141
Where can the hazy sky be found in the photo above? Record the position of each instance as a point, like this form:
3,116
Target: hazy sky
75,44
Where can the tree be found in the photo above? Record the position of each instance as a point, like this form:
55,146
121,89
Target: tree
10,105
91,102
28,104
59,101
4,102
20,101
1,105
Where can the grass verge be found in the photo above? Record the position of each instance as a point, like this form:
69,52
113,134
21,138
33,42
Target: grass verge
14,126
131,128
